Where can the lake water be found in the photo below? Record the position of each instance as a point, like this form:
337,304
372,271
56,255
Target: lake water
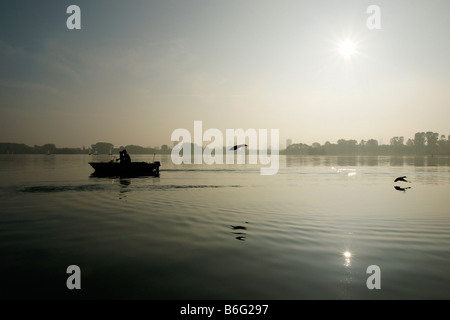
226,232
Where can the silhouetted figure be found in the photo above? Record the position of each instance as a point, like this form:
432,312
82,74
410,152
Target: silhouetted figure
124,157
401,189
403,178
238,146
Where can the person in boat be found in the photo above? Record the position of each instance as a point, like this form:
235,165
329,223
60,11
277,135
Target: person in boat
124,157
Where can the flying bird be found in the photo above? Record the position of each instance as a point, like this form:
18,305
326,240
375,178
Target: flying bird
238,146
403,178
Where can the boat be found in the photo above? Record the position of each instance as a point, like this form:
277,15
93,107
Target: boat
133,169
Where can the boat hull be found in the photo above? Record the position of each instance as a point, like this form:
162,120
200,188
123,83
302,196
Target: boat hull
134,169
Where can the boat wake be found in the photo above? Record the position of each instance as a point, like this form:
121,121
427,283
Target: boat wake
51,189
102,187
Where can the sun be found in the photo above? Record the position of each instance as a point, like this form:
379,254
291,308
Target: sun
347,48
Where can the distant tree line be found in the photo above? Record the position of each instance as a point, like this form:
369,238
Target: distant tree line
424,143
20,148
97,148
108,148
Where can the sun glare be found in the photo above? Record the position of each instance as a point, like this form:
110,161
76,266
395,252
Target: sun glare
347,48
347,259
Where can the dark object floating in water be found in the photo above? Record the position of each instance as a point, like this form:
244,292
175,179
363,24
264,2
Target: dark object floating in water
133,169
403,178
238,146
238,228
241,238
401,189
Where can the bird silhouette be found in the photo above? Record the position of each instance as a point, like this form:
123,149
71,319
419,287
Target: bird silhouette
401,189
403,178
238,146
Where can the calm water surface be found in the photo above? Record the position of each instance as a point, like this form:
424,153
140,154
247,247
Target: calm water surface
226,232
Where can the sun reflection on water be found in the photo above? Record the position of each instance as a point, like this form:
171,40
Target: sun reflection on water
347,258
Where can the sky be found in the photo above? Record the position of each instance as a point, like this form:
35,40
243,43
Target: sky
138,70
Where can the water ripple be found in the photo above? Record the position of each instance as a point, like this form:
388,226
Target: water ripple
99,187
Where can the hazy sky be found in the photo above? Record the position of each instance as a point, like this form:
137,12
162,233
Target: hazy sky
138,70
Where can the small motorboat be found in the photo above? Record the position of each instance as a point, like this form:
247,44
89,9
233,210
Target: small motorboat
133,169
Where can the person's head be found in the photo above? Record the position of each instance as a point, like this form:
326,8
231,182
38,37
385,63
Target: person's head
124,151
